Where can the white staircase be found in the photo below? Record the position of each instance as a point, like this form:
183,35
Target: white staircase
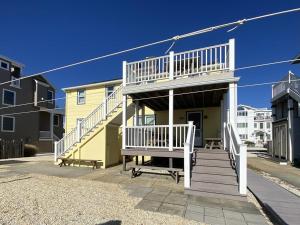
88,124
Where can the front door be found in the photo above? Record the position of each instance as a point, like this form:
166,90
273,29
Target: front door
196,117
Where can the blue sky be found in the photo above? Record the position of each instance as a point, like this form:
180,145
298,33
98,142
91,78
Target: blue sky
47,34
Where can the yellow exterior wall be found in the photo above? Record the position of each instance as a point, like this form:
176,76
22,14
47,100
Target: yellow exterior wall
211,119
93,98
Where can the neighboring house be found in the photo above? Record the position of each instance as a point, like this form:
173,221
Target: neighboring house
164,109
19,101
254,124
286,119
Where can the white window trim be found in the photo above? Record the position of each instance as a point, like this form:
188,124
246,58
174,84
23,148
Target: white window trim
81,103
13,78
14,124
56,125
15,96
1,61
106,90
52,93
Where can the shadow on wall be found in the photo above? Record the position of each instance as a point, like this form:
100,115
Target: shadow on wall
111,222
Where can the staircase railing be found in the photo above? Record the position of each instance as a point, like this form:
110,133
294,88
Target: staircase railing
98,115
238,152
188,151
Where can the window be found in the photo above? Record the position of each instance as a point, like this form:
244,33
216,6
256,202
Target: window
8,97
4,65
148,120
8,124
243,113
109,90
261,125
242,125
80,97
243,136
268,125
50,96
255,125
56,120
15,82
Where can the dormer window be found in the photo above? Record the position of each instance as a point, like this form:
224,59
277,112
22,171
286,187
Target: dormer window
15,82
4,65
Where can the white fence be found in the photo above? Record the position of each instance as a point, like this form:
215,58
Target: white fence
238,152
198,61
87,124
155,136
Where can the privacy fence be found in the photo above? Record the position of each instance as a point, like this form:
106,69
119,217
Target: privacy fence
11,149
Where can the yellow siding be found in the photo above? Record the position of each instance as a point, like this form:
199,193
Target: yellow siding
211,119
94,97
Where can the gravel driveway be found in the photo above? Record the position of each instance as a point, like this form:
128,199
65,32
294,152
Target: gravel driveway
38,199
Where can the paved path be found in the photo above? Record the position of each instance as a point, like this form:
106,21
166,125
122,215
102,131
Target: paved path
287,173
280,203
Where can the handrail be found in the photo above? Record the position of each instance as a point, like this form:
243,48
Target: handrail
98,115
188,151
238,152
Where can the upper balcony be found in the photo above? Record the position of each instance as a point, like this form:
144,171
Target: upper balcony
204,62
289,83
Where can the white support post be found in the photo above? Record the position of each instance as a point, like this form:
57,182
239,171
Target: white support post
143,115
105,108
187,155
290,128
231,54
51,124
232,103
55,151
136,122
171,114
124,109
243,170
171,68
78,130
225,117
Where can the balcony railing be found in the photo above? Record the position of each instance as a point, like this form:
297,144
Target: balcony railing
291,81
216,58
156,136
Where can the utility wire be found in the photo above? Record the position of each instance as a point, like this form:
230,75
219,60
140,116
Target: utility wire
175,38
240,68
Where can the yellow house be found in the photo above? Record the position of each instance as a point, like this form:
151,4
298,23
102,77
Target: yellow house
179,107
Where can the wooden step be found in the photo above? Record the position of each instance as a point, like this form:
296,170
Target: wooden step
204,193
213,162
208,156
213,170
211,178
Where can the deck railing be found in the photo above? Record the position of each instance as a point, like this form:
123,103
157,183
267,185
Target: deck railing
215,58
98,115
155,136
290,81
238,151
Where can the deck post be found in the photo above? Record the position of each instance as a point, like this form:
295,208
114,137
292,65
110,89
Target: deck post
225,118
171,106
136,122
290,130
124,115
232,54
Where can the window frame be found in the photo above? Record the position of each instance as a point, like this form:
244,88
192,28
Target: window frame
14,124
56,125
2,61
78,97
52,95
15,79
107,91
3,97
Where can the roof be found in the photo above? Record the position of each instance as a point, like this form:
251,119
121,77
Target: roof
252,108
13,62
297,59
94,84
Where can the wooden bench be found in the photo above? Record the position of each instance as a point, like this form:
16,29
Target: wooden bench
65,161
174,172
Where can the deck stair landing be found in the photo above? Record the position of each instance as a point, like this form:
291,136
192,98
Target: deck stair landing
213,176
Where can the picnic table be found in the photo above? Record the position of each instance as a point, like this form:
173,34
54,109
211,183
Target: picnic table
213,143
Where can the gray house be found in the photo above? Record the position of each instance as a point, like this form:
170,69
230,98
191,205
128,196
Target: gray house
27,108
286,119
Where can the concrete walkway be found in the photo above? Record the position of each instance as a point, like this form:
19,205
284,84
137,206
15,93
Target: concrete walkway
282,206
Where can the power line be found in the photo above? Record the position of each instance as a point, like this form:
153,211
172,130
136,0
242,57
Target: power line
175,38
240,68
